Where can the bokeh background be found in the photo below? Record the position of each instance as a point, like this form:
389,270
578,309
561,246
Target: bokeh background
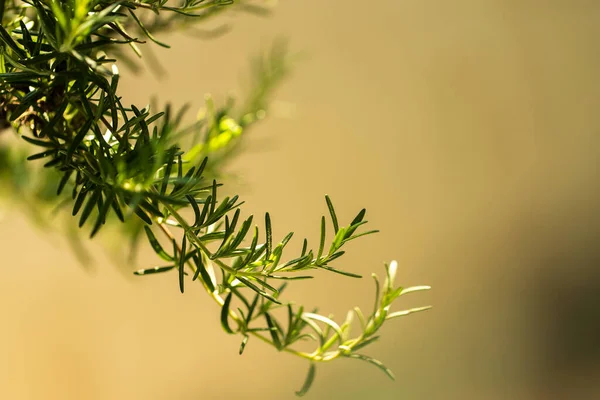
467,128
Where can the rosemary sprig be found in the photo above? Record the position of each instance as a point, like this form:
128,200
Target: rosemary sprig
59,91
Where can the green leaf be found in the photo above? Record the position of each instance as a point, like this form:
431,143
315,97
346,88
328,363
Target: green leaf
103,211
201,168
154,270
225,314
339,271
201,270
89,206
274,331
251,309
79,201
326,321
315,327
43,154
335,256
413,289
167,174
195,208
242,232
407,312
209,237
117,209
348,237
310,377
8,40
291,277
142,215
158,249
27,40
286,239
57,117
356,222
374,362
377,291
182,261
338,240
365,342
361,317
63,181
151,208
258,290
207,205
269,235
243,344
322,239
37,142
298,260
334,219
146,32
79,138
213,198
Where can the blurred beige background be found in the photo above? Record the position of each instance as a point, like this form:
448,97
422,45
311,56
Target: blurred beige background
468,129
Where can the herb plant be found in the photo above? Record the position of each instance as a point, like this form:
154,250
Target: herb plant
111,162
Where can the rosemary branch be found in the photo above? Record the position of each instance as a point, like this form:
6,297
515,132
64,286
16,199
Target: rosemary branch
59,92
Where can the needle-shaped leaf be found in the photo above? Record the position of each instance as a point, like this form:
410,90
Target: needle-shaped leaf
304,247
377,290
142,215
63,181
374,362
201,167
8,40
274,331
205,211
322,239
258,290
79,138
243,344
195,208
89,206
225,314
103,211
335,255
251,309
365,342
413,289
327,321
167,174
201,270
361,317
213,198
308,381
182,261
40,143
156,246
360,235
407,312
79,201
269,236
334,219
242,232
339,271
146,31
43,154
154,270
356,222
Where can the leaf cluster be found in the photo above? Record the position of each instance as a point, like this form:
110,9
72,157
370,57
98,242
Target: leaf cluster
59,91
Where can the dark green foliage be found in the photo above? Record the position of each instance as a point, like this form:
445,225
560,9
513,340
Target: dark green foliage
59,91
